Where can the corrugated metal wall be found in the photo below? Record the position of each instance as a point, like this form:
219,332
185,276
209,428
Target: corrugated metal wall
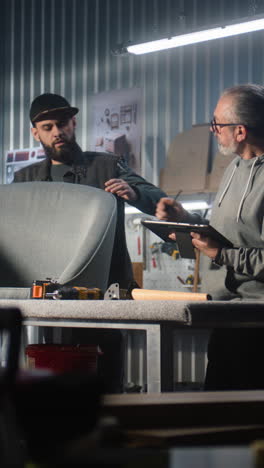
64,46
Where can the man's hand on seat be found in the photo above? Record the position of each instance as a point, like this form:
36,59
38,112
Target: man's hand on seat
121,188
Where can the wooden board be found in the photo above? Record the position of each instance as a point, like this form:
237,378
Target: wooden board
138,273
187,161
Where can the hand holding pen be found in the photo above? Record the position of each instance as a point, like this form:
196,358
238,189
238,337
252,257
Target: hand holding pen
168,209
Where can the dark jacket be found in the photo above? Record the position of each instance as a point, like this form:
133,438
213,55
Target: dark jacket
95,169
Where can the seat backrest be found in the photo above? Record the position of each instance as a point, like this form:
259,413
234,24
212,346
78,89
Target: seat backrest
55,230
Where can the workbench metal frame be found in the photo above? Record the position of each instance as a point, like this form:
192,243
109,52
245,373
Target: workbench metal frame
158,319
158,365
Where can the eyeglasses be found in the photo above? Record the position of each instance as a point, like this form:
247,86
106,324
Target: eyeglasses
214,125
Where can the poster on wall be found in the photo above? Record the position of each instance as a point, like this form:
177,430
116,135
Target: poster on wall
115,122
18,158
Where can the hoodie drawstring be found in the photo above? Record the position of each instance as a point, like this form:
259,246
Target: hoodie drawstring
246,189
228,184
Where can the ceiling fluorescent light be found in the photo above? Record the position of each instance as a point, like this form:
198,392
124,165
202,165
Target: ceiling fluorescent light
198,205
131,210
198,36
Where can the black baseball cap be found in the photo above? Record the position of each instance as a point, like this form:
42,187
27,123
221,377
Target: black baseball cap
48,104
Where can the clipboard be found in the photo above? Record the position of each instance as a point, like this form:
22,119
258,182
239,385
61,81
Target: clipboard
183,230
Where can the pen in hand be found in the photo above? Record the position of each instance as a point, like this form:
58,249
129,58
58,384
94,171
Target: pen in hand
170,208
177,195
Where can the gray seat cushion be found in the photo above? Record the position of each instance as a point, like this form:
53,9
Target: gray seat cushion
55,230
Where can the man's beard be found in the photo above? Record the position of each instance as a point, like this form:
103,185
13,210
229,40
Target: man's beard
228,150
64,154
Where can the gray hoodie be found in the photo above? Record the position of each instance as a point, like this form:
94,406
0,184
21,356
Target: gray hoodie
238,214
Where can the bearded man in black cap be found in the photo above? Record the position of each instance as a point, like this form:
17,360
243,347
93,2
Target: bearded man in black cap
53,125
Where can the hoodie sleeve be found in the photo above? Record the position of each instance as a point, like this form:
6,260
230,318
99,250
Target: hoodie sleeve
147,193
245,261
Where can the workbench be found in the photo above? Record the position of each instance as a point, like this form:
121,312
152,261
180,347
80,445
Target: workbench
157,318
